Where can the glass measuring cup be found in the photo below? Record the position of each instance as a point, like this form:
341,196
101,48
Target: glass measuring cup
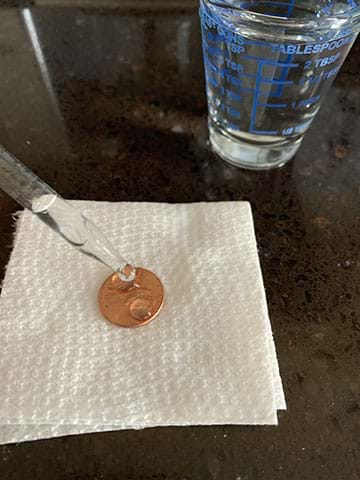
268,65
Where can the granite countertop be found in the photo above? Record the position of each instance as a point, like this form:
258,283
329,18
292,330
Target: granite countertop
109,104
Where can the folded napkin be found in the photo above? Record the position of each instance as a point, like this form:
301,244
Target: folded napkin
208,358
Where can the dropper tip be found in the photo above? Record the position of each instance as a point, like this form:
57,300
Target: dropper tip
127,273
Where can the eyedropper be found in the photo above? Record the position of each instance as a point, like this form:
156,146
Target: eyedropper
31,192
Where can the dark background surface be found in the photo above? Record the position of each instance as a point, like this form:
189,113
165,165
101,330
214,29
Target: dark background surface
113,108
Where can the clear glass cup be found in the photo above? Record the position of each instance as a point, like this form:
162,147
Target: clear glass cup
268,66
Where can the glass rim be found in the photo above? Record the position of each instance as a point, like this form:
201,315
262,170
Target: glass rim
349,19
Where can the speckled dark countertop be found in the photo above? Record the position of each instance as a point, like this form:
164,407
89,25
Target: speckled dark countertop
117,111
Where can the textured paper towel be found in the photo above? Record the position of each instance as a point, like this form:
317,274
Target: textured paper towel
209,358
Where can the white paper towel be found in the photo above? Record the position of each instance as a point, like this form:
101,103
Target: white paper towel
209,358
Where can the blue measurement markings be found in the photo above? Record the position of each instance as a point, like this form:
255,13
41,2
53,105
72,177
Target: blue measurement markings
236,81
233,73
257,92
228,74
283,76
223,66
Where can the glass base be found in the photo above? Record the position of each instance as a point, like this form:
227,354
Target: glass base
260,156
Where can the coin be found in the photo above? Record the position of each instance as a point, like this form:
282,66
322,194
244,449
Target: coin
131,304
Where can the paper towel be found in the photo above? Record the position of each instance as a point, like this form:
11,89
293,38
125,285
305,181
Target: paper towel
209,358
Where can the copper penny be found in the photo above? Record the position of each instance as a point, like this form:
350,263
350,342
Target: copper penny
131,304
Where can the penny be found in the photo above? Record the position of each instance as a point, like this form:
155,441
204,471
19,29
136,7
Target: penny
133,304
